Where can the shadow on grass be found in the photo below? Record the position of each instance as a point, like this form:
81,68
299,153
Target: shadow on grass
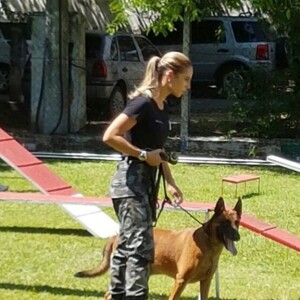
74,292
44,230
50,289
249,195
164,297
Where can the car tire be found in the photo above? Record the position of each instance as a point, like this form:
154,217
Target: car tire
232,81
4,79
117,101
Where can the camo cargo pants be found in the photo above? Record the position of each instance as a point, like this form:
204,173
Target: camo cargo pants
131,188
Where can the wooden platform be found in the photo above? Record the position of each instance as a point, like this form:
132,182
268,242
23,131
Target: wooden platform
240,178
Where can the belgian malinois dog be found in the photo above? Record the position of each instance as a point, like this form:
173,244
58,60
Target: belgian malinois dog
189,255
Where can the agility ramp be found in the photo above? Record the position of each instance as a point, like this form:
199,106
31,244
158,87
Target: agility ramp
34,170
285,163
86,210
267,230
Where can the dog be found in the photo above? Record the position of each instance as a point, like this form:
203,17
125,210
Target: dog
189,255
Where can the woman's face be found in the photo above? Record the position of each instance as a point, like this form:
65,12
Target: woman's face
181,82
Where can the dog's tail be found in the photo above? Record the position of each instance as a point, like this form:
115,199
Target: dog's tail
105,263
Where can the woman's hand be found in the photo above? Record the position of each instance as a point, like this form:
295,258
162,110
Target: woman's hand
153,158
176,193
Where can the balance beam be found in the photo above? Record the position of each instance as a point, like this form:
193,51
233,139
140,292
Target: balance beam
249,222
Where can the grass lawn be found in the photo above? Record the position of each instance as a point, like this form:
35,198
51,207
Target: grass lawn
42,247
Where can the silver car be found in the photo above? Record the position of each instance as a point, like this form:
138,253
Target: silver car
223,45
5,58
115,64
4,63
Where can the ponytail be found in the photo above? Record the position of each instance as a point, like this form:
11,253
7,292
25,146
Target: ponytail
150,80
175,61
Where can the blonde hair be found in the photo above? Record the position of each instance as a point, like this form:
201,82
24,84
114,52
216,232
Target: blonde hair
175,61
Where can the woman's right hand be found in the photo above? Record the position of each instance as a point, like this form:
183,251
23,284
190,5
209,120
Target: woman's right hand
153,158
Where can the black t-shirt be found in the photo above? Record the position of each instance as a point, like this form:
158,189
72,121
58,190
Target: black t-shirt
152,127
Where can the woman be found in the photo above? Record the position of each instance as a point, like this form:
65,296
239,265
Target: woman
140,133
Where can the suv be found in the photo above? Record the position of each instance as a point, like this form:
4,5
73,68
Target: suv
115,64
223,45
4,63
5,54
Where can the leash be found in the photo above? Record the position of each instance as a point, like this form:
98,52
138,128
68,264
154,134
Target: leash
168,200
186,211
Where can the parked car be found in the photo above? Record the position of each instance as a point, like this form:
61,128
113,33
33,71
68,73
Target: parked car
222,45
4,63
5,57
115,64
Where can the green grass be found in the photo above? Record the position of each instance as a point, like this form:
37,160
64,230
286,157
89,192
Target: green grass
42,247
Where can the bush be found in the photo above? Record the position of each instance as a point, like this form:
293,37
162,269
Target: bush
265,106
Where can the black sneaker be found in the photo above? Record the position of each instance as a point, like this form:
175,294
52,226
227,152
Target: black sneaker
3,188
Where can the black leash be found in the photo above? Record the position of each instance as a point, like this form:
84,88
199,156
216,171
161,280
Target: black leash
168,200
186,211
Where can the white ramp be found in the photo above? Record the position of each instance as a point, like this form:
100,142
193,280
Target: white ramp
93,219
284,162
19,158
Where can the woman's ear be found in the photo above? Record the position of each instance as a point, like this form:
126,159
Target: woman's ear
170,74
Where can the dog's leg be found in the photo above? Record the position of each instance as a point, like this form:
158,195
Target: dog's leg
178,288
204,288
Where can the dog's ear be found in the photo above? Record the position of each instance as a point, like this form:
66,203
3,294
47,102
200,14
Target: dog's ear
238,207
220,206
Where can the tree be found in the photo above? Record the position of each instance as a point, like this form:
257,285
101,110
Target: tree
161,15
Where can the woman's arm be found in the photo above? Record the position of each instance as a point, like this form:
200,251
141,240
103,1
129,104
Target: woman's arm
172,187
114,137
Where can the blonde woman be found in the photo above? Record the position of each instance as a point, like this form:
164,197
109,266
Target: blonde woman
139,133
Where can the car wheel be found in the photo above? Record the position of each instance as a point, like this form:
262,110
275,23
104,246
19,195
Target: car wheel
117,101
4,79
232,82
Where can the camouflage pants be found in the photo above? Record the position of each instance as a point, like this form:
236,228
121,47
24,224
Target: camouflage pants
130,262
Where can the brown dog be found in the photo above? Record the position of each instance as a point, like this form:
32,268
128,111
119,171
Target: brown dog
188,255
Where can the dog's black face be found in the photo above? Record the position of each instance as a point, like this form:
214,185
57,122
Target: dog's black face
227,230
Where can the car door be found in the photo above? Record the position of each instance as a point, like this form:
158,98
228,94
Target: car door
210,48
131,67
146,48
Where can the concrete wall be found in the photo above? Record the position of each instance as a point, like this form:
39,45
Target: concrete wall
201,146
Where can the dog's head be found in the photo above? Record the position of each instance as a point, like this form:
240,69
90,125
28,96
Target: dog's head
227,223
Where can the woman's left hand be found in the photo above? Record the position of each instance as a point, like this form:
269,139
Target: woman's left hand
176,193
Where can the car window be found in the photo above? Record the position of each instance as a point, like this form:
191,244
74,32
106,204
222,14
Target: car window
93,46
248,31
208,32
114,50
147,49
128,51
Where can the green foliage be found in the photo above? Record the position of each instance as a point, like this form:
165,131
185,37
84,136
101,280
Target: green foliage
42,247
161,15
265,106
